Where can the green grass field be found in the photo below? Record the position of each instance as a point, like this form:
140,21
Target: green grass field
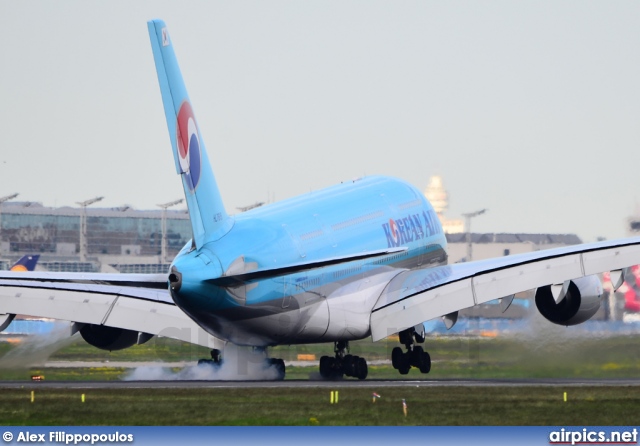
293,406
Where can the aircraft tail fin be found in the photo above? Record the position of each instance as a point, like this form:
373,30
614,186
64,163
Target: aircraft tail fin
26,263
209,220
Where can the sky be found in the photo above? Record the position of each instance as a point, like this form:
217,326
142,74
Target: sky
530,109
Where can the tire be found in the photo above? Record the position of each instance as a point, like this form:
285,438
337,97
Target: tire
405,364
425,363
361,368
206,362
396,357
416,356
325,367
349,365
280,367
335,368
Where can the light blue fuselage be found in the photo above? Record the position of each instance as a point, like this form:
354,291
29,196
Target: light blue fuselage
320,304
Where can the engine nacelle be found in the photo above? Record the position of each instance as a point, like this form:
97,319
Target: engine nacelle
110,338
580,303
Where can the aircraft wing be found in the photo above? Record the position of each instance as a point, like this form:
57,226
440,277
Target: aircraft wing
136,302
416,296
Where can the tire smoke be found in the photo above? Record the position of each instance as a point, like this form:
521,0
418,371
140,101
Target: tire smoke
239,364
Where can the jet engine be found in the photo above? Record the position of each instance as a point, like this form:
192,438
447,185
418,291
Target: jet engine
111,338
580,302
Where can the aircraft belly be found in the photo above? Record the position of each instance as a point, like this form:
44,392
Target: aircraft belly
303,319
350,306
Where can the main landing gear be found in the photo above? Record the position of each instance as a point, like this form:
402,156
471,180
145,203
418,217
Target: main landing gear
414,356
343,363
216,359
277,363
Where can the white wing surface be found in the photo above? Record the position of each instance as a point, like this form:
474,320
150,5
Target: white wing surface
136,302
416,296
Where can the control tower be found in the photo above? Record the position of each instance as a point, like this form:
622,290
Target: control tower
439,198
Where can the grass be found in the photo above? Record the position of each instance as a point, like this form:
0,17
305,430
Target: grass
265,406
454,357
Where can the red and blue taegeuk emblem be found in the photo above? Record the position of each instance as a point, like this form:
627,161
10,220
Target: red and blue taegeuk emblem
188,145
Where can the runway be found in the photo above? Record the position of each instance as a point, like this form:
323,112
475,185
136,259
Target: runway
344,383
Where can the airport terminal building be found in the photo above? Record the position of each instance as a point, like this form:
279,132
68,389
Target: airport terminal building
115,239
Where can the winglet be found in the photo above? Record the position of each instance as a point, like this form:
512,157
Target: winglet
209,220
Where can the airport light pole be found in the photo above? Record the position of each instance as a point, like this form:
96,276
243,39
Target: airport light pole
467,220
83,226
163,254
2,200
257,204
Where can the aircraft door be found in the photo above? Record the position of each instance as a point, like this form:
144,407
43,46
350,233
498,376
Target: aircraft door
296,241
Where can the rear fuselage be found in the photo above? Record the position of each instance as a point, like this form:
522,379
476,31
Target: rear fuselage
321,304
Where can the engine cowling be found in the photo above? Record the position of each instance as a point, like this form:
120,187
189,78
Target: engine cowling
581,302
109,338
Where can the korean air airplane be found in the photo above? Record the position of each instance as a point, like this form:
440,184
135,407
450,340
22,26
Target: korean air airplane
365,258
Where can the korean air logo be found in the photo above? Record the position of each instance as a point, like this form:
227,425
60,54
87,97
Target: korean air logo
412,227
393,229
188,146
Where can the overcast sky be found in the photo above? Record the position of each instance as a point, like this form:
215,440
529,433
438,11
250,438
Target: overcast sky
529,109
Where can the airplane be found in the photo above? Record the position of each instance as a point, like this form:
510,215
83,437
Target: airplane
364,258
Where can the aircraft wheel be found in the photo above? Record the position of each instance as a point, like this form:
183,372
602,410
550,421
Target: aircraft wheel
425,363
208,362
279,366
416,356
325,367
337,369
361,368
421,359
396,357
349,365
405,364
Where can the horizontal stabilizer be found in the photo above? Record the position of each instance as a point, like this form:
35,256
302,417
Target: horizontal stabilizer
239,279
